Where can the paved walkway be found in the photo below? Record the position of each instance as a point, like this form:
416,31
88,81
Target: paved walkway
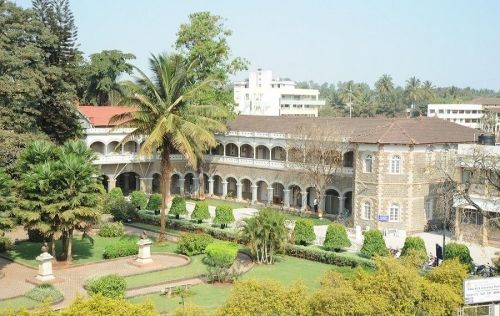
72,279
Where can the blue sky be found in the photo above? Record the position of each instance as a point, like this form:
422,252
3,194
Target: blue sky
450,42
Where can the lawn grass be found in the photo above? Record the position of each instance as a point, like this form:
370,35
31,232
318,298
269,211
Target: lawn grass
286,270
193,269
205,295
154,228
17,303
315,220
83,250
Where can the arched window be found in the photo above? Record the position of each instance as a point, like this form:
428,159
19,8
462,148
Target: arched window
394,213
368,163
367,211
396,164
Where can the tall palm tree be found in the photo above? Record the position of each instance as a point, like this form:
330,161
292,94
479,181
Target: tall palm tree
169,119
384,85
413,90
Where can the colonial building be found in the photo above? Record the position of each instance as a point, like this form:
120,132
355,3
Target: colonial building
384,179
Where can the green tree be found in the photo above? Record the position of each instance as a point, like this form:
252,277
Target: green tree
139,199
265,234
58,116
12,146
22,63
167,115
178,207
59,191
413,92
384,86
200,211
374,244
223,215
102,73
7,202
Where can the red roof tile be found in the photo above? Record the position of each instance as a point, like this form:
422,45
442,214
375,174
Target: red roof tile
99,116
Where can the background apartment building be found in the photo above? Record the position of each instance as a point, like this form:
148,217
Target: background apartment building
260,94
467,114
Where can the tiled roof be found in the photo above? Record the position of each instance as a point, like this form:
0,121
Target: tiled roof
494,109
99,116
484,101
422,130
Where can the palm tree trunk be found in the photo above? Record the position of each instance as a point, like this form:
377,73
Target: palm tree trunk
69,253
166,170
201,177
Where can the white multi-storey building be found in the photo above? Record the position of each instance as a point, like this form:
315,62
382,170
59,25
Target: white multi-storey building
467,114
260,94
464,114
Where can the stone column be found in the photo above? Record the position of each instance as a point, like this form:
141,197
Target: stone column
146,185
341,204
111,183
321,206
144,244
270,194
181,186
286,198
210,186
224,189
303,194
196,184
44,265
137,183
254,193
239,191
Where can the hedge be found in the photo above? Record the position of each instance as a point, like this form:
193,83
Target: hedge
413,243
44,292
139,199
193,243
374,244
460,251
126,246
112,286
328,257
200,211
303,252
111,230
221,254
224,215
336,238
303,232
5,244
154,202
178,207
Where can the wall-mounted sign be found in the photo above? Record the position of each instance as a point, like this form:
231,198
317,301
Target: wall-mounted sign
383,218
482,290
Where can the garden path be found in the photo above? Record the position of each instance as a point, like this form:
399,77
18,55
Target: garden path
72,279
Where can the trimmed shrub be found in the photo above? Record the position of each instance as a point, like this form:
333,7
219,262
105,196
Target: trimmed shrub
193,243
189,310
44,292
112,286
328,257
223,215
111,230
374,244
126,246
178,207
220,257
336,238
123,210
303,232
116,194
413,243
200,211
459,251
5,244
154,203
100,305
139,200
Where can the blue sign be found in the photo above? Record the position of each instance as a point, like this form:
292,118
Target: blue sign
383,218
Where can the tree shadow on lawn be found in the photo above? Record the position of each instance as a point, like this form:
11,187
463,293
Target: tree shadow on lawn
28,250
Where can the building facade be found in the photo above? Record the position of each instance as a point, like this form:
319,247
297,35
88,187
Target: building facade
260,94
384,179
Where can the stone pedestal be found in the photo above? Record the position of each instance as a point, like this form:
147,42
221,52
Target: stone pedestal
144,255
45,266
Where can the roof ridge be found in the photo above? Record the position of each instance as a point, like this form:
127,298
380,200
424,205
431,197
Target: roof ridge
387,130
405,133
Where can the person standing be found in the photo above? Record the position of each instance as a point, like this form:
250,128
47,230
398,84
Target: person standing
315,203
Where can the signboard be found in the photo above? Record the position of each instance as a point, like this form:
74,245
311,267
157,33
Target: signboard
482,290
383,218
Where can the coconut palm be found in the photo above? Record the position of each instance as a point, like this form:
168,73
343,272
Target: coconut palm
413,90
384,85
168,118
